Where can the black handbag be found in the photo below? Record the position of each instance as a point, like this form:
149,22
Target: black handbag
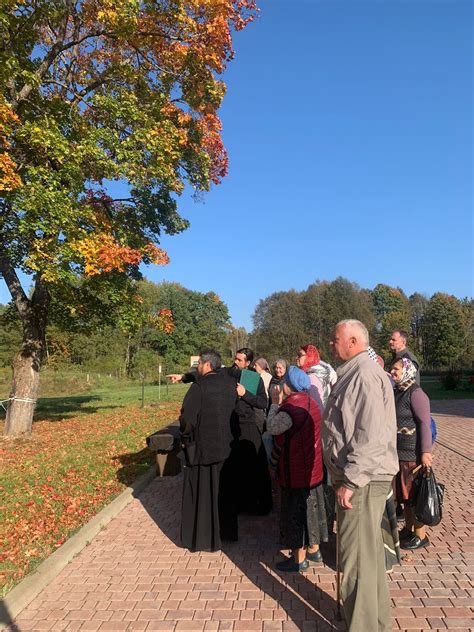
428,496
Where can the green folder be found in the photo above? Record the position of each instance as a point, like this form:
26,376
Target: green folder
250,380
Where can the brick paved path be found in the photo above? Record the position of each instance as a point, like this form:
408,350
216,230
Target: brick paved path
134,577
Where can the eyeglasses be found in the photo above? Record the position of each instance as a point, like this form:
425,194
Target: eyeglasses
300,355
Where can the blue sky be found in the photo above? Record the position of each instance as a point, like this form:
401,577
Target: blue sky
349,131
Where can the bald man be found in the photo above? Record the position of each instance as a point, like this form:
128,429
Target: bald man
360,452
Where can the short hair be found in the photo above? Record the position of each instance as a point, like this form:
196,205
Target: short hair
248,353
351,322
212,356
403,334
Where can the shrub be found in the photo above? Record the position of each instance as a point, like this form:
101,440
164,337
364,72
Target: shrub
451,380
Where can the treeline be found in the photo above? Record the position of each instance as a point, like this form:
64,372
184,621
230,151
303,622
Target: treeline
198,320
441,328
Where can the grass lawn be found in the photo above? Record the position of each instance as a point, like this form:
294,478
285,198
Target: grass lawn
434,389
83,452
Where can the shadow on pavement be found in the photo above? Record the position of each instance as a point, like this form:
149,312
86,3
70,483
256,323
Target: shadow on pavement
6,621
457,407
255,555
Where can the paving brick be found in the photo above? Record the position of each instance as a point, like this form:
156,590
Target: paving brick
412,624
134,576
164,626
248,626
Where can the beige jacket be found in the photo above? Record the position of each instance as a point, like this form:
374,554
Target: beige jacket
359,429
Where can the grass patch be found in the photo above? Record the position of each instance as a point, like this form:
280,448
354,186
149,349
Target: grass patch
435,390
84,450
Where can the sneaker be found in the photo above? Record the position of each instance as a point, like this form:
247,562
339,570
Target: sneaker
414,543
290,566
315,558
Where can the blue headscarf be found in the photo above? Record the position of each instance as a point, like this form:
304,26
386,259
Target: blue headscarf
297,379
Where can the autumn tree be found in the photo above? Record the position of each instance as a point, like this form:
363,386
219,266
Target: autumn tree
200,319
93,91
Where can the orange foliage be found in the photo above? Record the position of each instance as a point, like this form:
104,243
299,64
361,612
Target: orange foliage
163,321
101,253
9,178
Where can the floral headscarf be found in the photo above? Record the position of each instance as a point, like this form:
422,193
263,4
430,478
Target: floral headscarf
408,375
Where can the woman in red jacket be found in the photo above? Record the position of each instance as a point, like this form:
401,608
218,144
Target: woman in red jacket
295,421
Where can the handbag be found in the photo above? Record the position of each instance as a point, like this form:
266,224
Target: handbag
428,496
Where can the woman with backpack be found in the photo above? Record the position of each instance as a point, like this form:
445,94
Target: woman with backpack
414,446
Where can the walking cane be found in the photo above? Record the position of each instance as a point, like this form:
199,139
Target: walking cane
338,570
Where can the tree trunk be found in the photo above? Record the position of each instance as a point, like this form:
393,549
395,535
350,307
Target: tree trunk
24,392
27,363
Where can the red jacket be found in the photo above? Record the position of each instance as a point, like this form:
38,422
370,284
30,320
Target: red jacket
300,463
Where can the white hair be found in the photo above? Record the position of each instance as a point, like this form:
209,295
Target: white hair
356,324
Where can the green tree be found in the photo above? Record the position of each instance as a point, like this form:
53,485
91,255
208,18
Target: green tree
285,321
237,338
392,311
418,304
326,303
279,325
444,331
94,91
467,357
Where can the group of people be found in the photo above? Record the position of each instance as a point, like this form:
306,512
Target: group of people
338,441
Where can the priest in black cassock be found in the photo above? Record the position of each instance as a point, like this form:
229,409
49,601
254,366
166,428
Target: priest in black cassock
205,425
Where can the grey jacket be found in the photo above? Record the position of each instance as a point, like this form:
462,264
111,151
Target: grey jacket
359,429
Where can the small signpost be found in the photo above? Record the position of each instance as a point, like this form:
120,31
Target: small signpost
159,382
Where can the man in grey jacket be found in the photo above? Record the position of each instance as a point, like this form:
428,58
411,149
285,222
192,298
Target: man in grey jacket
360,452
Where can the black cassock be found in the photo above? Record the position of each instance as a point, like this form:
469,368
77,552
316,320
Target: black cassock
200,524
248,464
206,420
217,489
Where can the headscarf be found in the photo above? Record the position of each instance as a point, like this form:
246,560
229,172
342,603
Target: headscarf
408,375
372,354
376,358
297,379
312,357
263,364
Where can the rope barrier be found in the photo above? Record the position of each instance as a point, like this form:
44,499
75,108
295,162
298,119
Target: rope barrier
26,400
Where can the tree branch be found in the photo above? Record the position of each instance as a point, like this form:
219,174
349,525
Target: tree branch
54,52
18,295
